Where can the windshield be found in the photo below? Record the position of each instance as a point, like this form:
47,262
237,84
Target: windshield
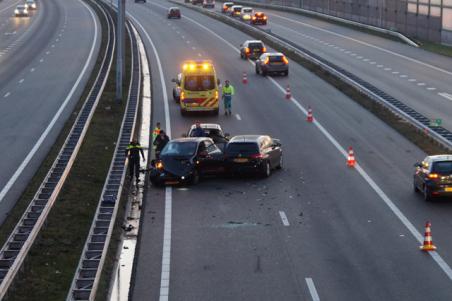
275,58
248,11
182,149
237,9
199,82
443,167
255,45
242,148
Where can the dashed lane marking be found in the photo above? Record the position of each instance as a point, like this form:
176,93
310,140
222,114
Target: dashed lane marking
284,219
421,84
21,81
238,117
312,289
6,95
32,70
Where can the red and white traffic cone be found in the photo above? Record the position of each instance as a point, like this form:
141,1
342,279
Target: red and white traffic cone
244,78
310,118
351,158
288,93
428,242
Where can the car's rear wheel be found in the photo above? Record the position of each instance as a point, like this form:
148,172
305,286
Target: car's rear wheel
280,163
266,170
257,69
427,194
264,72
415,187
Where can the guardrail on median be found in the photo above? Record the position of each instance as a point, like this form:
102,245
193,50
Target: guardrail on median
21,239
440,134
331,18
87,275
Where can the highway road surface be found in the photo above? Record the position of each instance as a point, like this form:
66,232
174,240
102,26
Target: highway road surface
315,230
45,62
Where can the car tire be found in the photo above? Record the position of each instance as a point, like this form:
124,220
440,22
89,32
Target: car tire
195,178
257,70
266,170
280,163
183,112
427,194
415,189
263,72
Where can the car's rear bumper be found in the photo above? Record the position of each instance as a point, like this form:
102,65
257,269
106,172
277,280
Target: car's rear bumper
246,168
281,68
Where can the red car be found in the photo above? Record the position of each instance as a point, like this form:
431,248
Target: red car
174,12
259,18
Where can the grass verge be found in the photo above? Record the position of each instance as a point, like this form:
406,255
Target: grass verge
436,48
419,138
50,266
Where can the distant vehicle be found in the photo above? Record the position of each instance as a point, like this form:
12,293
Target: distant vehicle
275,62
259,18
21,11
142,1
245,13
236,10
194,2
185,161
433,177
208,3
213,131
253,154
174,12
226,7
252,49
186,1
30,4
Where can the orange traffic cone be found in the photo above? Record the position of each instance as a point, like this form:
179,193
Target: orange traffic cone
351,158
244,78
288,93
428,242
310,118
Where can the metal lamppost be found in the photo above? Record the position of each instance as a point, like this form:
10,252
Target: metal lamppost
120,47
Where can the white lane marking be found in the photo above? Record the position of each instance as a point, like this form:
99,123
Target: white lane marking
32,70
183,37
166,255
53,46
188,42
284,219
21,81
403,75
421,84
41,60
312,290
342,49
199,54
47,52
387,69
353,54
177,31
412,80
446,95
366,60
431,88
372,63
395,72
367,44
193,47
8,7
7,94
238,117
347,52
359,57
379,66
46,132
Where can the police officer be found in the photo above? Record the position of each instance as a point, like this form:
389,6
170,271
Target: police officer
133,150
228,91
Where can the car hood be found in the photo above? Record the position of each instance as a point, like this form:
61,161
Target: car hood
179,166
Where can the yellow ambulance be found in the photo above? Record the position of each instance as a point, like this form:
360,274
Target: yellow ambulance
197,87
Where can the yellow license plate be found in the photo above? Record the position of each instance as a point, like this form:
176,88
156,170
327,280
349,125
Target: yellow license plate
448,189
241,160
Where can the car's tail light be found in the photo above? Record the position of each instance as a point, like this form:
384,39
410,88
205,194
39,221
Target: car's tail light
247,50
225,7
285,60
257,156
254,18
266,61
265,17
264,49
433,176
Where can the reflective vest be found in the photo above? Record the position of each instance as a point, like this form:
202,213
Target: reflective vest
155,133
228,91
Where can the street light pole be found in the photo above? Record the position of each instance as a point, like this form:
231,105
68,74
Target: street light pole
120,25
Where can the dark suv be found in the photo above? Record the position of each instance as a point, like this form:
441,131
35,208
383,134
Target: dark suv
252,49
253,153
433,176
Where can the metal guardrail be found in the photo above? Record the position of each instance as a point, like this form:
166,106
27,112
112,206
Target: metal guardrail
297,10
22,237
87,275
421,122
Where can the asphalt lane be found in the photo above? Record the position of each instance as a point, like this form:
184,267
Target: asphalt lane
228,241
35,80
417,77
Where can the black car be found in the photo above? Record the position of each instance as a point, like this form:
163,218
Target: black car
433,176
174,12
253,154
185,161
252,49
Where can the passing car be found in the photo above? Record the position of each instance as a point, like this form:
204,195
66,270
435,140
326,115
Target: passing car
258,154
208,3
433,177
21,11
236,10
194,2
174,13
274,62
246,14
252,49
30,4
258,18
185,161
227,7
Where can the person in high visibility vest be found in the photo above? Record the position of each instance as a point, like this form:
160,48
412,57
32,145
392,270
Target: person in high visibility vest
227,92
133,150
156,132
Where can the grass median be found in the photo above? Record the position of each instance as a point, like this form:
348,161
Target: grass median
50,266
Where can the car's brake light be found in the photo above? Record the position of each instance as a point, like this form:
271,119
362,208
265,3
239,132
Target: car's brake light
264,49
247,50
257,156
266,60
254,18
285,60
265,17
433,176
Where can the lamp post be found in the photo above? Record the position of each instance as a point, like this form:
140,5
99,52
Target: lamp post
120,25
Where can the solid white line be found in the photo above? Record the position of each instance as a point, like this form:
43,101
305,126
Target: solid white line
46,132
284,219
446,95
8,7
238,117
431,88
312,290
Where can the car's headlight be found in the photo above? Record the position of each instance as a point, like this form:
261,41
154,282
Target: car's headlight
16,11
159,165
25,11
33,5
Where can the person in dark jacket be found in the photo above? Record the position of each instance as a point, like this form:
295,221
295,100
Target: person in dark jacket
160,142
134,150
198,131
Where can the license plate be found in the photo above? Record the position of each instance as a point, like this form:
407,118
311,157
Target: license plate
241,160
277,64
171,182
448,189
